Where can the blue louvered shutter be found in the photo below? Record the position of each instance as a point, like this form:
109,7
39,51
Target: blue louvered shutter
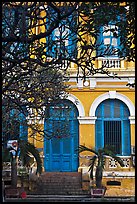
15,124
23,127
99,43
126,144
72,49
50,38
99,140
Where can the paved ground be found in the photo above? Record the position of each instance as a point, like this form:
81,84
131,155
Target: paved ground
64,198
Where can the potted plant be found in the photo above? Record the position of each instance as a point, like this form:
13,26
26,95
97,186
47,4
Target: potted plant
97,162
23,151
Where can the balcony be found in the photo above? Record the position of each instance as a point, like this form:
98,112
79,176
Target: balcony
111,63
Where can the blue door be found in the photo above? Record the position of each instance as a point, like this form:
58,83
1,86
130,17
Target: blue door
61,133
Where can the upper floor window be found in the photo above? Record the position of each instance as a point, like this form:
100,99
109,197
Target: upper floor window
14,24
108,42
110,38
62,40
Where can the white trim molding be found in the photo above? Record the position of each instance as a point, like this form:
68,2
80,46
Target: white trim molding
120,174
77,103
80,83
87,120
132,119
93,83
113,95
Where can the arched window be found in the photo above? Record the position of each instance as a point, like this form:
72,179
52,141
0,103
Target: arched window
14,125
113,126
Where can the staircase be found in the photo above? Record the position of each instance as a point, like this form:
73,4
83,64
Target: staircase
59,183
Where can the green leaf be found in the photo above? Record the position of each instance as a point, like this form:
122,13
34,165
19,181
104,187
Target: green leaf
26,150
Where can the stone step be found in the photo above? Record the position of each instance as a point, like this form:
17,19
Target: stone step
58,183
76,192
70,198
62,177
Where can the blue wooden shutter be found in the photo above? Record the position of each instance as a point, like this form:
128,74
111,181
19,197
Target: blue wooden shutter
99,139
126,144
50,38
23,127
73,36
99,43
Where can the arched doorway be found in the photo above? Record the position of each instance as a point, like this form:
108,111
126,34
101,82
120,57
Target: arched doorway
113,126
61,126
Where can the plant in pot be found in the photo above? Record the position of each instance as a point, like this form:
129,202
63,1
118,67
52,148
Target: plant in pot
97,162
24,151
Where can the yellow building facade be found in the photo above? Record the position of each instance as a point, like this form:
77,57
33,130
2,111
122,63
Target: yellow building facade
89,97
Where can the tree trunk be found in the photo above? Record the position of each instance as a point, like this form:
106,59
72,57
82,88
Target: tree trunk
98,177
14,172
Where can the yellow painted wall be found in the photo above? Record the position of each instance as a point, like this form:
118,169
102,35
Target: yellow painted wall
127,187
86,97
39,141
132,129
87,135
36,139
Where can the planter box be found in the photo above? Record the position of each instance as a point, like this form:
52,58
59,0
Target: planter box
98,192
15,192
12,192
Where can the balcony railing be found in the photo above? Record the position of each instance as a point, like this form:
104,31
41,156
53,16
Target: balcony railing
110,162
111,63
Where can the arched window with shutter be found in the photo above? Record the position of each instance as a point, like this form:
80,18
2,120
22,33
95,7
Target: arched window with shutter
113,126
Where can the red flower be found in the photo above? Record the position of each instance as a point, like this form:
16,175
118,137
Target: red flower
23,195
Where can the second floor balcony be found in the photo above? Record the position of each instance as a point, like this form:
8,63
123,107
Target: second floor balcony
114,63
